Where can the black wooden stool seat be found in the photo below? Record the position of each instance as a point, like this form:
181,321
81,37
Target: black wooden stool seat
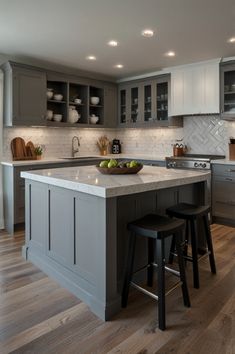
156,229
191,213
155,226
188,211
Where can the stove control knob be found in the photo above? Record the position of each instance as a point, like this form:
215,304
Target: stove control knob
196,164
204,165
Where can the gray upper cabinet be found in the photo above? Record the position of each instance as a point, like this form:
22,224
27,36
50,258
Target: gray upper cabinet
26,102
227,91
24,96
146,103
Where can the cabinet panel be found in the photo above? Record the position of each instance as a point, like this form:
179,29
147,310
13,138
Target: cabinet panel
211,89
38,224
61,225
177,93
29,92
195,89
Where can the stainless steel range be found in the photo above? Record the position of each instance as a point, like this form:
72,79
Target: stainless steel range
192,161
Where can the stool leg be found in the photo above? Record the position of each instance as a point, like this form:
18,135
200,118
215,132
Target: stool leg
179,247
193,224
185,252
151,257
129,268
172,250
161,284
209,243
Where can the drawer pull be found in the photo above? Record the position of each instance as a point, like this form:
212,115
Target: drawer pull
230,170
228,179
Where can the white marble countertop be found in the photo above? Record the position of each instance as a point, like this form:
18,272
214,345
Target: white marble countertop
223,162
88,180
45,161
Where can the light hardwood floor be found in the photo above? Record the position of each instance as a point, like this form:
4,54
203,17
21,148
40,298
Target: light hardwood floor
38,316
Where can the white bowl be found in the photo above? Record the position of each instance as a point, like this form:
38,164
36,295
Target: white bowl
94,119
58,97
95,100
78,101
57,117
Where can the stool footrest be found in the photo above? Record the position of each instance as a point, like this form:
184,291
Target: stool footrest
168,269
152,295
190,259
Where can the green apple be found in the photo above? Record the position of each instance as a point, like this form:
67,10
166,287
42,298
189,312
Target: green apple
133,163
112,163
104,163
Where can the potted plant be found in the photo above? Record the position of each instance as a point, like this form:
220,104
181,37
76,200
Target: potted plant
38,152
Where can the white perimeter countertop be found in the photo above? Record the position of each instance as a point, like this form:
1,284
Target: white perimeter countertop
80,158
88,180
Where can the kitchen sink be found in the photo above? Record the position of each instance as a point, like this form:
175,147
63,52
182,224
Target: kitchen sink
78,158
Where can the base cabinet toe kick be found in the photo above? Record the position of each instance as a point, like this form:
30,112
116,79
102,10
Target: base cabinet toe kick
80,239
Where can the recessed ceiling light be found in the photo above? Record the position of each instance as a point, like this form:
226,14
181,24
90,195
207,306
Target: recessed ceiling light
231,40
91,57
170,53
147,33
119,66
113,43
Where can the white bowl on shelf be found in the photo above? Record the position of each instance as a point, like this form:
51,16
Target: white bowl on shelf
95,100
57,117
58,97
233,87
77,100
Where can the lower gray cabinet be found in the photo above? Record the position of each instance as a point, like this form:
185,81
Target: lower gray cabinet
223,194
14,189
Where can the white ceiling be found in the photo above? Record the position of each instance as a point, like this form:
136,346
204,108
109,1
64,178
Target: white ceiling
66,31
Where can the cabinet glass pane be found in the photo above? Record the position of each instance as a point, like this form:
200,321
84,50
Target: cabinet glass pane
148,103
229,92
123,106
134,104
162,101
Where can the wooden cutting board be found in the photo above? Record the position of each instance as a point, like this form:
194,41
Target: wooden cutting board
19,150
30,149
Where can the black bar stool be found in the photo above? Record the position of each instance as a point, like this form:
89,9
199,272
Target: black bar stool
191,213
156,228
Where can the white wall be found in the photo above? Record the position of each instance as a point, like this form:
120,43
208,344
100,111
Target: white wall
206,134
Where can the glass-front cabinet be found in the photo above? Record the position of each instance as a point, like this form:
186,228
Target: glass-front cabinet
228,91
129,105
145,102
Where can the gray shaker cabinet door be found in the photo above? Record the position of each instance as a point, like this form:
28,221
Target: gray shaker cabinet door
29,97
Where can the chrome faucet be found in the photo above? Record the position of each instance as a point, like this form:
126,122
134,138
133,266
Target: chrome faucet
75,150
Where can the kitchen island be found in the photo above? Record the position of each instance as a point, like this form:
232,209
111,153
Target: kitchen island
76,224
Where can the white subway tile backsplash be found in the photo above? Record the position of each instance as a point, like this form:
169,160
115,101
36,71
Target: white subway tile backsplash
202,134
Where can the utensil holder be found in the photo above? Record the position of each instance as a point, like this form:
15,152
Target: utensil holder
231,151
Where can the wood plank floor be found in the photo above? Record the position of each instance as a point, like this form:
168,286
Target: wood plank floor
38,316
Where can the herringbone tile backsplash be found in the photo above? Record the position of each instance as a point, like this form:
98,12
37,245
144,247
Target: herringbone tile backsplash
202,134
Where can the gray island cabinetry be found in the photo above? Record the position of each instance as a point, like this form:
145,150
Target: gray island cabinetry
14,186
76,224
